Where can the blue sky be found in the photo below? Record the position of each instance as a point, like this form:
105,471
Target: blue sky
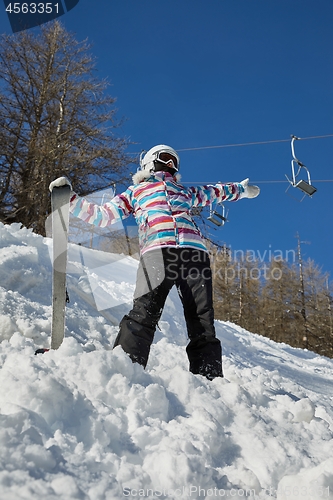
195,73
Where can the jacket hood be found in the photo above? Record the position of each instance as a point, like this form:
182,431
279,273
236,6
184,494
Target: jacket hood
144,175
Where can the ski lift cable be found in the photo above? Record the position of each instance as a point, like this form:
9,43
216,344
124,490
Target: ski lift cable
275,141
255,182
240,144
234,145
305,186
256,143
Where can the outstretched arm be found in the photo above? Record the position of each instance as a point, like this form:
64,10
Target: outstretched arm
232,191
104,215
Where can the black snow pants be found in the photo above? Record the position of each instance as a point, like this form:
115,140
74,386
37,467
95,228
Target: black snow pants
188,269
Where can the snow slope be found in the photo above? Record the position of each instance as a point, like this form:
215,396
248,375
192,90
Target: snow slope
83,422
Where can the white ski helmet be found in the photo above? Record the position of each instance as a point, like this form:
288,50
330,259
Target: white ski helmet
162,154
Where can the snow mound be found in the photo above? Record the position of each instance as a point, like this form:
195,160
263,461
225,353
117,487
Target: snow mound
84,422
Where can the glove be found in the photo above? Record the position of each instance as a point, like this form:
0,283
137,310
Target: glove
250,191
61,181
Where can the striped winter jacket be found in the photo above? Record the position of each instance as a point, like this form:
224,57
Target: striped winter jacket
161,207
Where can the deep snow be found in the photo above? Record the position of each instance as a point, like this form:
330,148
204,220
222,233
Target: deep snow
84,422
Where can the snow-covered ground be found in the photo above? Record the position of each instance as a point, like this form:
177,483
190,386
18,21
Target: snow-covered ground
84,422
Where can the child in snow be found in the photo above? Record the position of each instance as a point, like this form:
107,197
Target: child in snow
172,252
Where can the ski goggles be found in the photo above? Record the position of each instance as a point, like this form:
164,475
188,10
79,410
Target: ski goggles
165,158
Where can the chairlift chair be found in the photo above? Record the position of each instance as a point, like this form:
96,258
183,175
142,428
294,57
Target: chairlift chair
302,184
219,218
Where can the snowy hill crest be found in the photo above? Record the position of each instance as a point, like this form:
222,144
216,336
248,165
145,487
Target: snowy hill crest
84,422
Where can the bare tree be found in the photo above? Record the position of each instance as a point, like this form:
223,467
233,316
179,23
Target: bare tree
318,309
55,119
287,302
280,304
223,279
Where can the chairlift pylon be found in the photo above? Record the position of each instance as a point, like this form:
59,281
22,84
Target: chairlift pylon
219,218
303,185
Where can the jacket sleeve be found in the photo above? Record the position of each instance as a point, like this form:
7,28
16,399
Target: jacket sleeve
205,195
111,212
